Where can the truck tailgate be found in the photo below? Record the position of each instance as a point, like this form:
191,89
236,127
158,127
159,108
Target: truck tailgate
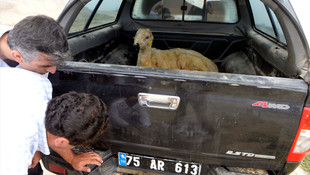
237,120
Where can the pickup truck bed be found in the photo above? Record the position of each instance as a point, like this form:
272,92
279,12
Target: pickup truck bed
244,118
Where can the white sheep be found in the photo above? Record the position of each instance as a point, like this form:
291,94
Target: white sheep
170,59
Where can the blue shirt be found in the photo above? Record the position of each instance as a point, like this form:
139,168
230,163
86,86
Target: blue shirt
23,101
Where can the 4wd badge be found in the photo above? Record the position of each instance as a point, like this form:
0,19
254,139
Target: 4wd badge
265,104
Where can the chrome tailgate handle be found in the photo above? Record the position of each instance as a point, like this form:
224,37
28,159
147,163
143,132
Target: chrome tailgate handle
159,101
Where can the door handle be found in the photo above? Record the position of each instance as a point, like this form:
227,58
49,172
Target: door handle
158,101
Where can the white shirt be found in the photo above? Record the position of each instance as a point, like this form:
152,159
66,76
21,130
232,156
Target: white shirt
23,101
46,82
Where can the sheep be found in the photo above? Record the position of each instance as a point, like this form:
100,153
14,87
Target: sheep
171,59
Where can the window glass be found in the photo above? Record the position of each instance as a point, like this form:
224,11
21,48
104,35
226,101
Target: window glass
106,13
211,11
261,17
187,10
266,21
278,29
172,10
83,16
158,10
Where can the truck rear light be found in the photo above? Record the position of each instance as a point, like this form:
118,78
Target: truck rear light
57,169
301,145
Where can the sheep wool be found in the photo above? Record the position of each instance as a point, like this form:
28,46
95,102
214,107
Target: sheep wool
171,59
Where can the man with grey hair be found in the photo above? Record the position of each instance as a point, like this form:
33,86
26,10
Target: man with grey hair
38,44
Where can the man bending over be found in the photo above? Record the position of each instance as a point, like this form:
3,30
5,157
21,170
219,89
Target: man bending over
74,119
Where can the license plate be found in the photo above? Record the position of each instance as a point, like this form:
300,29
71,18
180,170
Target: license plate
158,164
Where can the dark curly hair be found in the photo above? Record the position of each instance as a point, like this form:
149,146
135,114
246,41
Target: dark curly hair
79,117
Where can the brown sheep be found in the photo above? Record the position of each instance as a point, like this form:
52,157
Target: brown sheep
170,59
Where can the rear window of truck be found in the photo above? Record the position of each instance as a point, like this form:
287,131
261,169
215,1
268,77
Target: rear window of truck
223,11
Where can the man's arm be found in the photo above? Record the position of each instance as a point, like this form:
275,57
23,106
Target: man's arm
35,160
79,161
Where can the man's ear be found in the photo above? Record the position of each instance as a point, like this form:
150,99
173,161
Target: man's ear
17,56
61,142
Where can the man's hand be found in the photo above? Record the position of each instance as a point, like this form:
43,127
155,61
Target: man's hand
80,161
35,160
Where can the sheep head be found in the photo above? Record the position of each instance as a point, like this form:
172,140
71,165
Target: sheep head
143,39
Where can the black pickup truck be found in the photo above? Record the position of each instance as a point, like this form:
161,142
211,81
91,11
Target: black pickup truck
251,117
